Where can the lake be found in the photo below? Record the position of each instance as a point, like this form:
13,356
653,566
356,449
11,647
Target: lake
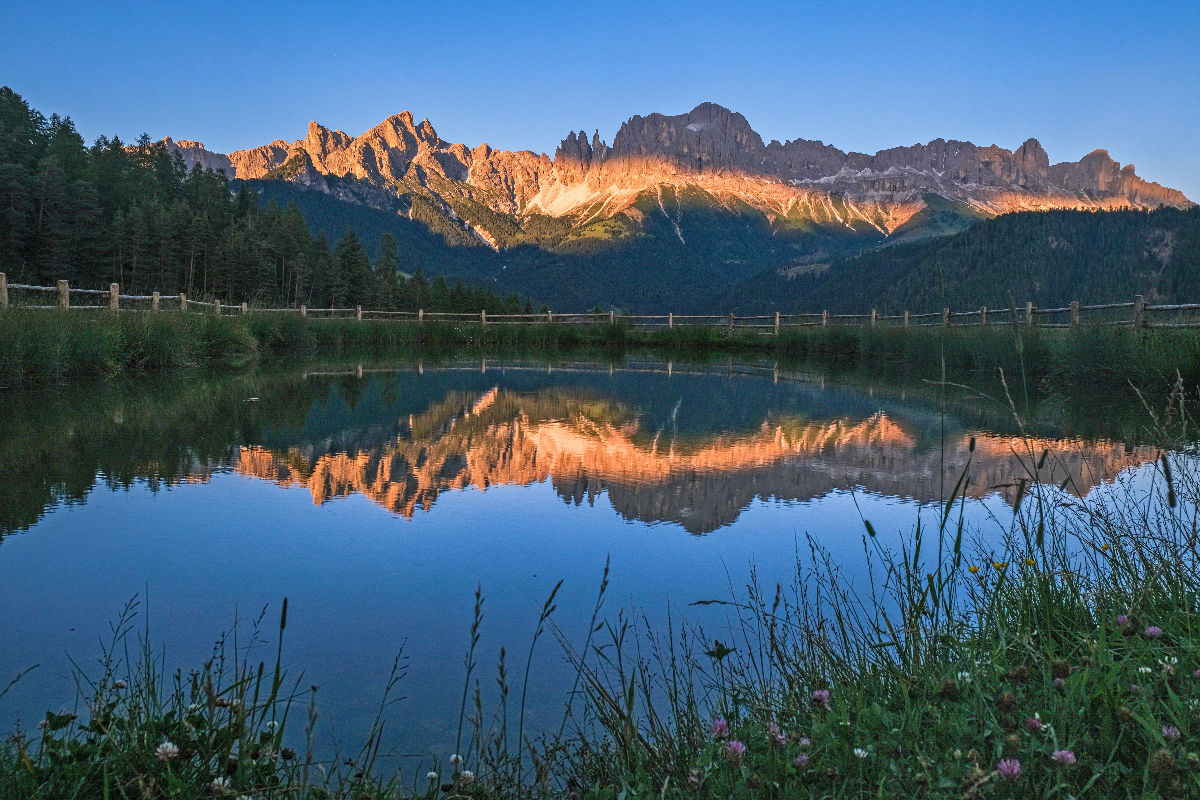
378,497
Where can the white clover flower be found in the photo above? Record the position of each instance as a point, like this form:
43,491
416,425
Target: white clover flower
272,725
965,676
455,760
431,776
166,751
119,685
860,753
221,786
467,776
1144,670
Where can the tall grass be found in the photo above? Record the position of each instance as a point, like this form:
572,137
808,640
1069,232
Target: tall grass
41,347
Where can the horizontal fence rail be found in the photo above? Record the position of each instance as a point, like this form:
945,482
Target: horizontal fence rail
1136,314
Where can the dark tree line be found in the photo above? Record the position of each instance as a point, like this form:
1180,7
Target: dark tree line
135,215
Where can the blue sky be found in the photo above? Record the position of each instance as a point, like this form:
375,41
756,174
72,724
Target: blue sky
862,76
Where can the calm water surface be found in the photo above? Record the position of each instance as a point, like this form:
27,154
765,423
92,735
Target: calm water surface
377,498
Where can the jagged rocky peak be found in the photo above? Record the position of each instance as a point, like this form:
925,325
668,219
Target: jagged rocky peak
709,136
575,149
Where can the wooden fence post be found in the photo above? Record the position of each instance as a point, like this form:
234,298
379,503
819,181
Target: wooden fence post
612,317
483,316
983,316
1074,313
825,319
420,315
64,295
183,301
906,319
303,310
155,298
114,297
1139,311
874,317
731,323
945,318
776,326
3,290
670,320
1028,314
217,306
245,306
550,317
358,313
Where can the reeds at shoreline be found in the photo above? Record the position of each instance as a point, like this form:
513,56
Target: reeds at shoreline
38,347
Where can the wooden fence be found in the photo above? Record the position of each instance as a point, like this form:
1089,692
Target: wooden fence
1137,313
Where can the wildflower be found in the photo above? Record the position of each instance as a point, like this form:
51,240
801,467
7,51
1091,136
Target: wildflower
973,569
860,753
166,751
1104,547
221,786
1171,733
775,735
734,751
695,779
1009,769
455,760
431,776
821,698
466,776
1029,562
720,728
805,743
801,761
287,754
272,725
1064,757
1145,670
999,564
1122,620
1153,631
1060,684
1134,688
965,676
118,685
1196,674
1035,725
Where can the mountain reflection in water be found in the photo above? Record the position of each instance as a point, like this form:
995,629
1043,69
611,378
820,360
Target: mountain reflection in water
587,445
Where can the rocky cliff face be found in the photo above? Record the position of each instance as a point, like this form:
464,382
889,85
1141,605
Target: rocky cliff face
711,152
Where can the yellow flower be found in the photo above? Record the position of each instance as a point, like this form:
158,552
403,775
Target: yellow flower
999,564
1103,547
973,569
1029,562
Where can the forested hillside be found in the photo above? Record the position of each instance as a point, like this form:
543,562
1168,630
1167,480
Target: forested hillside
1046,257
136,216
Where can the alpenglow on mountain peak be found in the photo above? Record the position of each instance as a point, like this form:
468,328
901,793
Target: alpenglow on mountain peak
709,154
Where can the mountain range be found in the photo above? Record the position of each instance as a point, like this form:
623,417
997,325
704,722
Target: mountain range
674,211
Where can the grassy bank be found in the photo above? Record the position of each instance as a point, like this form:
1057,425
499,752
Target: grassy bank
39,347
1063,661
